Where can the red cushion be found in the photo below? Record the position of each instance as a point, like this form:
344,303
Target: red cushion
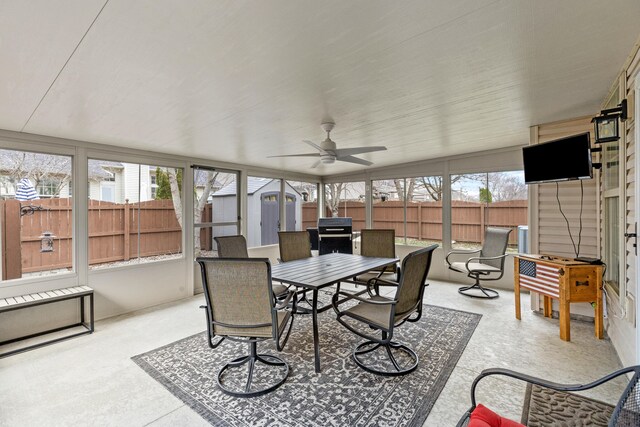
485,417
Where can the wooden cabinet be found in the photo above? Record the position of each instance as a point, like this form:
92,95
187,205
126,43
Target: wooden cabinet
562,279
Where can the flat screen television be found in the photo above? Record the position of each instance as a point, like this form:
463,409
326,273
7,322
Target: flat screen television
559,160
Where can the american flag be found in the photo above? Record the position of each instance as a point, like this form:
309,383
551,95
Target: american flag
539,277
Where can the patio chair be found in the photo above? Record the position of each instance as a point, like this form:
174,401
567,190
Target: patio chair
625,414
294,245
489,265
241,306
378,243
232,246
236,247
385,314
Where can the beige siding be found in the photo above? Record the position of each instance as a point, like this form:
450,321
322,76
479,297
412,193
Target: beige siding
621,322
552,236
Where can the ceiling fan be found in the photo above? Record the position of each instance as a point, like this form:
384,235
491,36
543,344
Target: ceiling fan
328,153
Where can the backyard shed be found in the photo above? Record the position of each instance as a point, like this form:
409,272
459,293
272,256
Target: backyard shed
263,199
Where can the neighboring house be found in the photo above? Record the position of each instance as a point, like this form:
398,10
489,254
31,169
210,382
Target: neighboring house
119,182
200,180
49,174
263,209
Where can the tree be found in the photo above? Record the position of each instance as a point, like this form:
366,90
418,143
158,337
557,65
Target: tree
507,186
163,191
485,195
40,168
433,185
333,193
410,187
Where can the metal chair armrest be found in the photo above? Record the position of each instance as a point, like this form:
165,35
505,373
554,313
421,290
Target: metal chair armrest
544,383
374,283
285,302
467,252
489,258
363,300
380,281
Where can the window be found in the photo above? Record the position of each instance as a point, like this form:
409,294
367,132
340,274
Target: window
35,201
263,210
346,199
411,206
612,198
424,210
495,199
50,187
302,204
611,190
216,207
126,224
389,209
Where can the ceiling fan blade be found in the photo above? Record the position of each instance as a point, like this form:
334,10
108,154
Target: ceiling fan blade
315,164
313,144
352,159
298,155
358,150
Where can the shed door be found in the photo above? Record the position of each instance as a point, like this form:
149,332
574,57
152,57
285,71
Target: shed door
291,212
270,218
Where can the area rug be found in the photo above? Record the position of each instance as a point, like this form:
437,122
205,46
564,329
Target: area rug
341,395
549,408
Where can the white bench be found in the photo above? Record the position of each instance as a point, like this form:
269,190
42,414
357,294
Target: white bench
47,297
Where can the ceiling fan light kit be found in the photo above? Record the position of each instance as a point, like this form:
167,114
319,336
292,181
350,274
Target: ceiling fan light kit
329,153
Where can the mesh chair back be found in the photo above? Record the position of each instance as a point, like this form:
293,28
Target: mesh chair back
232,247
415,268
294,245
627,411
495,244
379,243
238,292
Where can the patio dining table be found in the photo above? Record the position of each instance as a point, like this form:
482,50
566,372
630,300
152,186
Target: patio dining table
319,272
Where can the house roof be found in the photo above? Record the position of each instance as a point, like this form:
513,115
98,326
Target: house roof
253,184
97,171
26,161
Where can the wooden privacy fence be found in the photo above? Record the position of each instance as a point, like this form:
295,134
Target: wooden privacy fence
424,219
113,232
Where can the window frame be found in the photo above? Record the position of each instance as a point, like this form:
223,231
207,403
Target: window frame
69,278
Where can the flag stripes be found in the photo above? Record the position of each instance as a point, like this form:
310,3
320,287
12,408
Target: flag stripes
539,278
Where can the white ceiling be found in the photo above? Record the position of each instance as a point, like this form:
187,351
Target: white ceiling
237,81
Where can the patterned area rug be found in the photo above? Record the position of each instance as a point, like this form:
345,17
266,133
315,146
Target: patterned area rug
548,408
341,395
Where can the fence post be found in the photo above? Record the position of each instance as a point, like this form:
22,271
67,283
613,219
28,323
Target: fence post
11,245
482,221
127,228
420,221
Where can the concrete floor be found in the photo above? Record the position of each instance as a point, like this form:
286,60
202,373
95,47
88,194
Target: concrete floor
91,380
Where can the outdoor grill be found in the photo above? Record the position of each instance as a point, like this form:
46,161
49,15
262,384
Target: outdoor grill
335,235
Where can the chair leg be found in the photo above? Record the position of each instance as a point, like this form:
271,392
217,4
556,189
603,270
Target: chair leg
251,360
478,291
388,347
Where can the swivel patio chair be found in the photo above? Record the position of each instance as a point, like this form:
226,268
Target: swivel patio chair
241,306
625,414
232,246
378,243
489,265
385,314
295,245
236,247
